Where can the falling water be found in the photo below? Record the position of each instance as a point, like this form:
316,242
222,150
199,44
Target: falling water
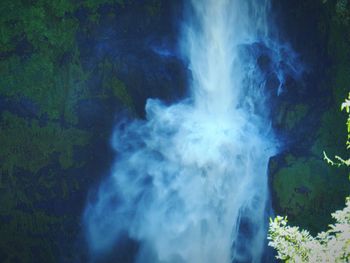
190,182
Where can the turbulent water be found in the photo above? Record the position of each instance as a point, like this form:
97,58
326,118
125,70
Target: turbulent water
190,182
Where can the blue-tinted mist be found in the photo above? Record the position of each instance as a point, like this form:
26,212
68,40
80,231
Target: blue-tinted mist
190,182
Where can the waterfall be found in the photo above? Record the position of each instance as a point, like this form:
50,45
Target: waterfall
190,182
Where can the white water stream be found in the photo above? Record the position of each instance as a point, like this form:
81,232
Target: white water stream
190,181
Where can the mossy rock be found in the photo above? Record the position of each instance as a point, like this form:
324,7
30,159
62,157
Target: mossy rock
29,145
331,135
307,190
289,115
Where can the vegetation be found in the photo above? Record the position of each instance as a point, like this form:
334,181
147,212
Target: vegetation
44,149
333,245
43,146
304,186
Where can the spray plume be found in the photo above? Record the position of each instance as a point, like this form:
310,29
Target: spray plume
190,181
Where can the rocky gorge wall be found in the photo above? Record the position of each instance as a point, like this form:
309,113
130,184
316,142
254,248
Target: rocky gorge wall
71,69
307,116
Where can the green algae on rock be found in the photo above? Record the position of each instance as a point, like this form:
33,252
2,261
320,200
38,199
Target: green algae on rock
29,146
308,190
291,115
304,187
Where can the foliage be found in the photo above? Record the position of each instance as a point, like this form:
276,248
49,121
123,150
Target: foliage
295,245
346,105
44,147
333,245
339,160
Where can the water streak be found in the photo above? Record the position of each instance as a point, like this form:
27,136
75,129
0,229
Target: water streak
190,181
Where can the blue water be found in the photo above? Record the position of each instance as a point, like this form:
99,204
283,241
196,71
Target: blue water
189,183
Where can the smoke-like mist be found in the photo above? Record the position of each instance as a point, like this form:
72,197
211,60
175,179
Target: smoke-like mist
190,181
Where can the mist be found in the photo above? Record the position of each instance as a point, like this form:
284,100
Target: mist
189,182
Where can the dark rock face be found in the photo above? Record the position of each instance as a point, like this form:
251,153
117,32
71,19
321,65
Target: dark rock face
307,117
70,70
137,45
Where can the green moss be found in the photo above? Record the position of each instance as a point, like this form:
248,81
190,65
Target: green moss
153,7
291,115
308,191
28,234
294,115
290,159
341,81
342,12
94,18
93,5
339,50
60,8
47,182
331,135
41,64
55,89
112,86
120,91
65,189
27,145
34,24
45,25
51,75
